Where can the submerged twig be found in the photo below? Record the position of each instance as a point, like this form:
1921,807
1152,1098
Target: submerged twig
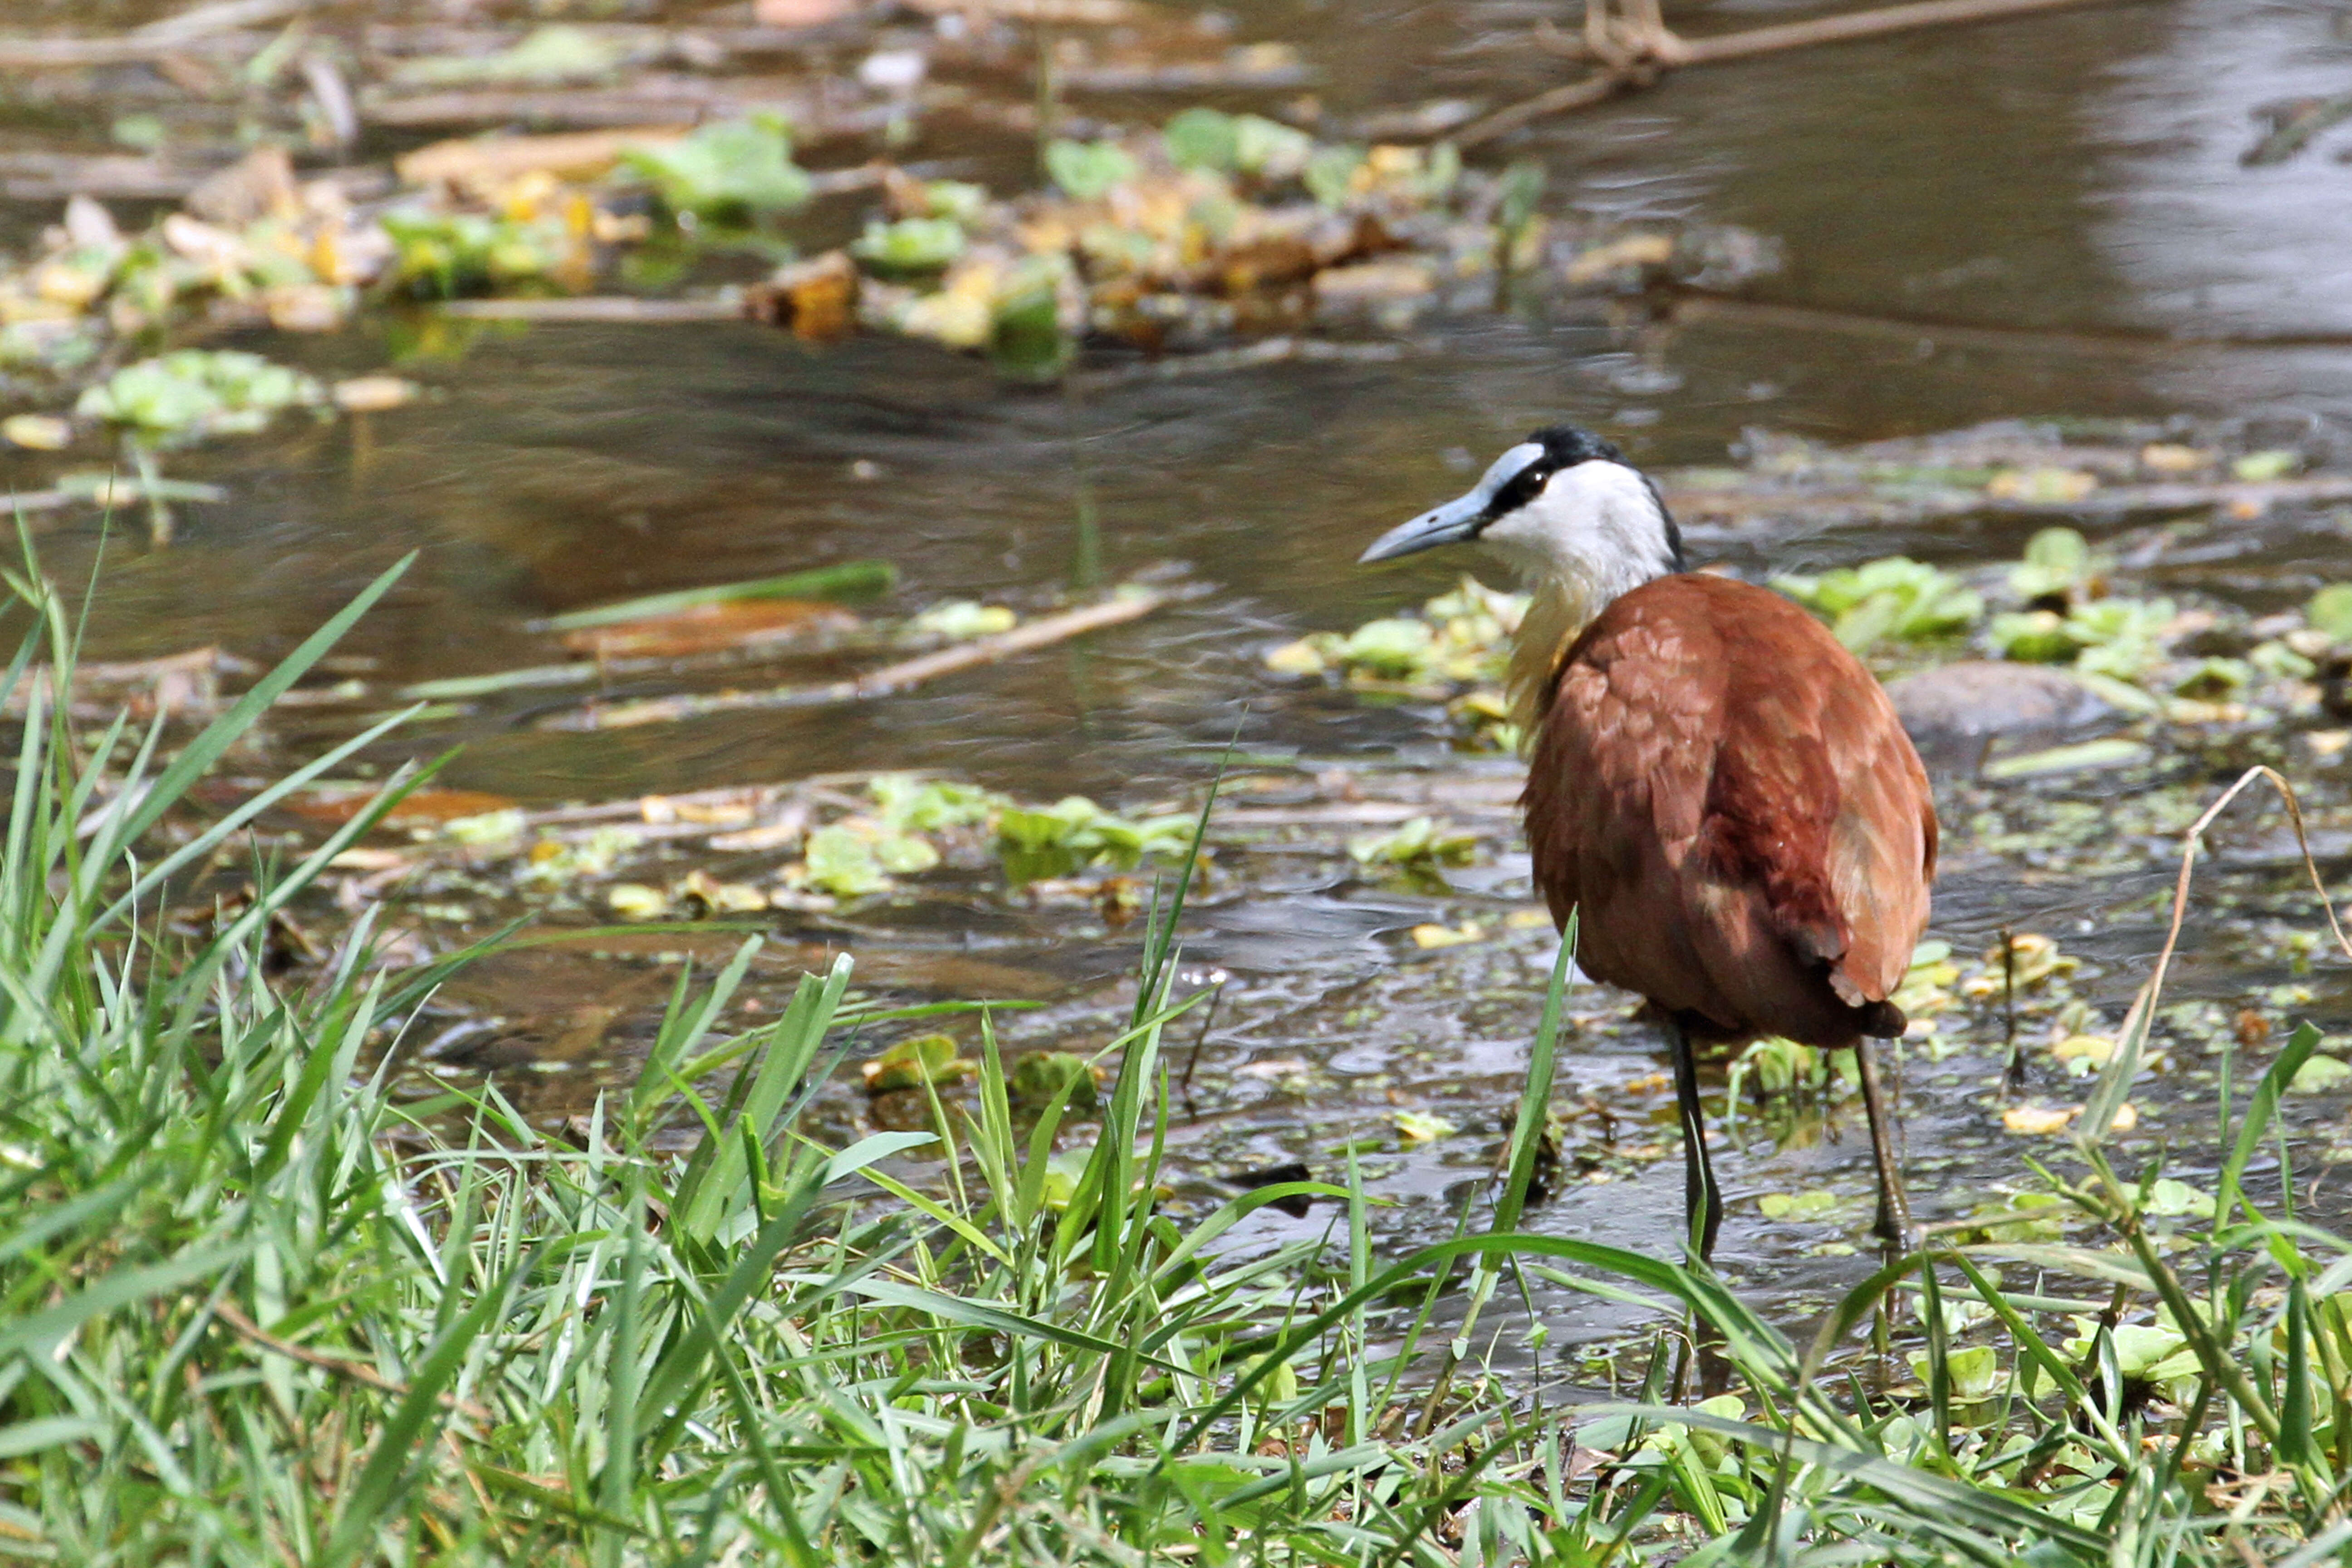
624,307
906,674
2293,126
1659,50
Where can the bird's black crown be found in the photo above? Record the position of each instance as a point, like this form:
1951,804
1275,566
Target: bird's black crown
1565,447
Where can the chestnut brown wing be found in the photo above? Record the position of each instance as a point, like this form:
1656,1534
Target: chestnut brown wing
1725,792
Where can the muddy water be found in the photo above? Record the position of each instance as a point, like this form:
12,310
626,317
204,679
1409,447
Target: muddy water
2020,220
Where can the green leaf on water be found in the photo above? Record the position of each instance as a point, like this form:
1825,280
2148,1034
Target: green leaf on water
1896,598
1201,138
909,244
2110,751
911,804
1330,175
1423,840
1810,1204
2330,611
2058,563
1269,149
1974,1371
2262,467
1086,170
2170,1196
191,393
911,1063
545,56
2320,1075
1420,1127
733,168
843,863
1039,1076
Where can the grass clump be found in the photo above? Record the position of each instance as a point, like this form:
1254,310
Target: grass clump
254,1308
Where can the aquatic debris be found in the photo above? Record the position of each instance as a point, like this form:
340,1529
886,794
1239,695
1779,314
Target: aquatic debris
442,254
816,299
2330,612
2265,467
1429,935
423,808
742,626
1421,1127
1781,1066
36,432
910,804
2033,960
487,167
850,579
2019,1217
191,393
375,393
953,620
2171,1197
1635,50
1128,603
909,246
636,901
2043,486
695,896
2084,1052
2108,752
2044,1122
1424,841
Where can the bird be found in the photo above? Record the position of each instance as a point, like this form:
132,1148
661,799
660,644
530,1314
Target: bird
1717,787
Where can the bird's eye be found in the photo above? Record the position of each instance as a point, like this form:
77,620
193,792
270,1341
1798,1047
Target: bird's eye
1523,488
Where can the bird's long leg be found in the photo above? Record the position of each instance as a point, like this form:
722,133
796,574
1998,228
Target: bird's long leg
1702,1199
1893,1203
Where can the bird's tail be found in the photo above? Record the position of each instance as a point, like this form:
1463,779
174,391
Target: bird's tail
1881,1020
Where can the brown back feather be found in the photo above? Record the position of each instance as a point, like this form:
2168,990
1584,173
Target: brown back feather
1727,794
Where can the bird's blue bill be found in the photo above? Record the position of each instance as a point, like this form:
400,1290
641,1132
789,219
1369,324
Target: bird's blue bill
1457,520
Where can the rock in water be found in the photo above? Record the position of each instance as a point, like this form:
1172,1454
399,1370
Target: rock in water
1952,711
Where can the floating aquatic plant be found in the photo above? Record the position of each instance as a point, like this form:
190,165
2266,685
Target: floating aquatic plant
1894,598
738,170
189,395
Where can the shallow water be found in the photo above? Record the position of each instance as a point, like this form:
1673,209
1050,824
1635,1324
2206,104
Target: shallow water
2016,220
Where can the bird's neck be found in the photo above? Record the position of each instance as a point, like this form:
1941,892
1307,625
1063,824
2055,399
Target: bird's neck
1560,606
1556,612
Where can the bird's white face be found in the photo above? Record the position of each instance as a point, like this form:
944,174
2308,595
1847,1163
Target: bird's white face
1560,518
1596,526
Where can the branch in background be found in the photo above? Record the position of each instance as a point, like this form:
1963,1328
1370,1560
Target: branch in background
1662,50
903,676
620,308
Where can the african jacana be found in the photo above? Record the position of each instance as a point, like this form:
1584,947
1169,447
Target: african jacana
1714,782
